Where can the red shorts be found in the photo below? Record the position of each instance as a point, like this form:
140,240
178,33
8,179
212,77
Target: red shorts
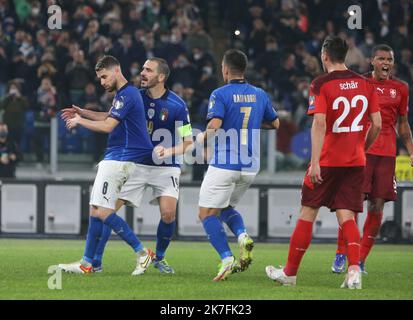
379,178
341,189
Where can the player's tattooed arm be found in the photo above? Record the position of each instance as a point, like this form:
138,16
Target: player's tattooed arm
405,135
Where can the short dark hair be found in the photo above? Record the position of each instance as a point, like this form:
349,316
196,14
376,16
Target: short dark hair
336,48
380,47
163,67
235,60
106,62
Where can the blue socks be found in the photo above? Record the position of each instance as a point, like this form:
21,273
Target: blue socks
233,220
122,229
164,236
92,238
217,236
100,248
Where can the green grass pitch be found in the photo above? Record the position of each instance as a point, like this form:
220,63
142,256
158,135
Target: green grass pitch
24,265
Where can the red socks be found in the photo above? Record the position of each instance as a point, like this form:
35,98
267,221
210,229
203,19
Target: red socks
370,230
341,243
300,241
352,237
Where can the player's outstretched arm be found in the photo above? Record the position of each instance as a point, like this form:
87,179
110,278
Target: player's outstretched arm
374,131
162,152
105,126
69,113
405,134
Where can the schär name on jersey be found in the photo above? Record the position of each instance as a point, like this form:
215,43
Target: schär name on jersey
349,85
244,98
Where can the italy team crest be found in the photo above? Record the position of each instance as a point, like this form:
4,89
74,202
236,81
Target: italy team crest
164,114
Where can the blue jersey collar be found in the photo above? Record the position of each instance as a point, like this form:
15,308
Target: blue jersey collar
164,96
123,87
239,81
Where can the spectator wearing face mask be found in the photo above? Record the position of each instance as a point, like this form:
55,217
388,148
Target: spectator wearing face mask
203,89
183,72
46,109
200,59
367,46
134,70
14,107
78,75
268,61
198,38
176,46
9,154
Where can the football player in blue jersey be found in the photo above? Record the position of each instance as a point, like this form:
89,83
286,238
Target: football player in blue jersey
167,121
237,111
128,144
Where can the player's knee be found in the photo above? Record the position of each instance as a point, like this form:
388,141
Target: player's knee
376,205
308,213
207,212
202,214
101,213
168,216
94,211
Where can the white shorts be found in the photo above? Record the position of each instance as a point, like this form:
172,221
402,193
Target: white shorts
110,178
222,188
164,181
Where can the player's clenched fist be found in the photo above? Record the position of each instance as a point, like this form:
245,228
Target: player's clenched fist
162,152
314,172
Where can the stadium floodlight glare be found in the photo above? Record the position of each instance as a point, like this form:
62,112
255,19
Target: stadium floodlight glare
237,32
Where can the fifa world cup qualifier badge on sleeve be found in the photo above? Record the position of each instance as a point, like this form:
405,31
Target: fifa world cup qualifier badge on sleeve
118,104
311,100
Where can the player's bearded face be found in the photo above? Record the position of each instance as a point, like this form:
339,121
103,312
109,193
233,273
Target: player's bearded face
107,79
150,76
383,63
148,81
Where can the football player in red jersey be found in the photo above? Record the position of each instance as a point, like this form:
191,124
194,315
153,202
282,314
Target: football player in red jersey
341,102
379,181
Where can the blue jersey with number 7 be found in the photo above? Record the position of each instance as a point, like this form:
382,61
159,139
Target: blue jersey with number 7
242,109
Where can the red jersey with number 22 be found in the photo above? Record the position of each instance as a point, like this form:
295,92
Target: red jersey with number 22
347,99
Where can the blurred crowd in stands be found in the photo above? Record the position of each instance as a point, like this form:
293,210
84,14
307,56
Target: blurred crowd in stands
44,70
